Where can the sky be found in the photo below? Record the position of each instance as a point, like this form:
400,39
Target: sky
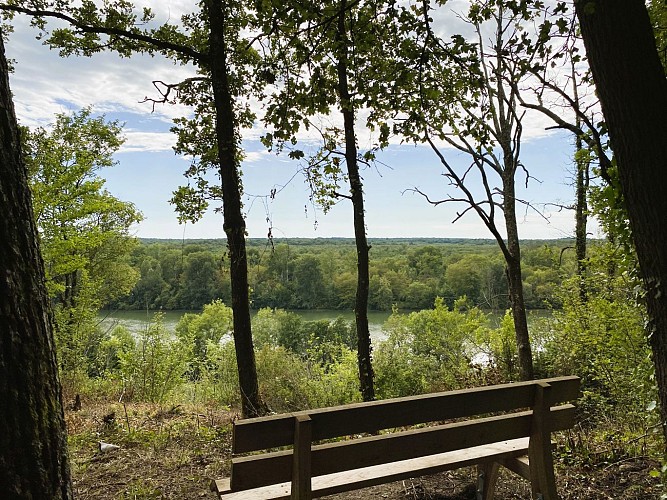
148,171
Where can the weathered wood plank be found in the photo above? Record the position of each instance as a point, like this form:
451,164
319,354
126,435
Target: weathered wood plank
280,491
421,466
301,465
381,474
542,479
271,468
278,430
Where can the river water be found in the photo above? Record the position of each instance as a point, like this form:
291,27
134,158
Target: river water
137,321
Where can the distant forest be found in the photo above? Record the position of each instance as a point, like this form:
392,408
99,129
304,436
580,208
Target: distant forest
320,273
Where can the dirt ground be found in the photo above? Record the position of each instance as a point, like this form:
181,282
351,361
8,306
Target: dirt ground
175,452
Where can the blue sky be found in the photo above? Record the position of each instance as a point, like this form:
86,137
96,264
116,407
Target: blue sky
392,208
148,171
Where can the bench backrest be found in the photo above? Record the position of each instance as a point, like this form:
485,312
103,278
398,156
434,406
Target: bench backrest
265,433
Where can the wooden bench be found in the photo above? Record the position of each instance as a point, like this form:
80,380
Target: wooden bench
366,444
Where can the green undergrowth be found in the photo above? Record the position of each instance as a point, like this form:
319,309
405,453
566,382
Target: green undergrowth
165,392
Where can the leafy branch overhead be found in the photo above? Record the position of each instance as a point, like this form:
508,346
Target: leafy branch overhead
118,27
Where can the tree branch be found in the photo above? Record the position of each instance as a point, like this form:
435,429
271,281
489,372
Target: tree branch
593,139
168,87
85,28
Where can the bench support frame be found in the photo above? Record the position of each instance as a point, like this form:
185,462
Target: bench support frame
537,466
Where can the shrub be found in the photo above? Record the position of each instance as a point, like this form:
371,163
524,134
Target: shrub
155,366
428,350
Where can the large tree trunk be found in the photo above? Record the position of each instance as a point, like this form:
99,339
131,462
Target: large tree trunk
33,440
633,93
234,223
357,195
514,278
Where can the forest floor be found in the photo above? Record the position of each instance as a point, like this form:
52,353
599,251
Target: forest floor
175,452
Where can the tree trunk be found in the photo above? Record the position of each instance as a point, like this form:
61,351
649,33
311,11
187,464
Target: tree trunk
509,133
582,183
234,223
514,278
33,440
632,88
581,217
357,195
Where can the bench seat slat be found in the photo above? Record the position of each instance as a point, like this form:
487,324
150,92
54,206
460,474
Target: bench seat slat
272,468
271,492
380,474
262,433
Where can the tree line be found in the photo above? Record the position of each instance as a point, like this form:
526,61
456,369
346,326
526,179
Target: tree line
320,274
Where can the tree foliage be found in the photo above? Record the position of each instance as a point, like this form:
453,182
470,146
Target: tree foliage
82,226
408,275
84,230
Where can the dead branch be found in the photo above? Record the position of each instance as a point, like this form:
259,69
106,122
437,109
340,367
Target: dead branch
165,89
592,139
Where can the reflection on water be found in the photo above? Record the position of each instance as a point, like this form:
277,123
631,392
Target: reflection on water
137,321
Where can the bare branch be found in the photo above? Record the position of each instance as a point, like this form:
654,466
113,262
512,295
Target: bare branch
164,89
530,206
341,195
560,206
592,139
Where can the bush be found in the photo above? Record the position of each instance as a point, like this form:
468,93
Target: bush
428,350
287,382
602,339
197,331
154,367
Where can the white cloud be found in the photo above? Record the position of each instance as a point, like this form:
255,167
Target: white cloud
255,156
45,84
136,141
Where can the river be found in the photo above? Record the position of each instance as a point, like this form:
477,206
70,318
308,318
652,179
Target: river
136,321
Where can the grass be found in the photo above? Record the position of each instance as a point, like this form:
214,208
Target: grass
165,451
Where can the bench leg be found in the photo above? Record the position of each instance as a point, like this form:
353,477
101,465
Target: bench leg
301,480
542,478
487,475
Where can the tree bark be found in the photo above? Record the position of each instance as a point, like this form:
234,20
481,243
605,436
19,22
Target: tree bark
356,190
514,278
582,183
632,88
581,217
234,223
33,441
